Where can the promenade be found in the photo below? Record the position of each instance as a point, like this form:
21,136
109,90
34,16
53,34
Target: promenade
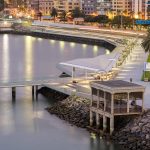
134,69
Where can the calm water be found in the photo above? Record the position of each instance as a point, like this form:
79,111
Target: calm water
24,124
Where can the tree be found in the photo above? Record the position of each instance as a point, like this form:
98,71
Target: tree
77,13
140,15
39,15
146,42
132,13
125,12
119,14
1,5
102,19
63,15
126,20
54,13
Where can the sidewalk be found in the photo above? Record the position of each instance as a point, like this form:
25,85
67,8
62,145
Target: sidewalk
134,69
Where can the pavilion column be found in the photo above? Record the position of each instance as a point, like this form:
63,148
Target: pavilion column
36,91
104,123
91,118
111,124
128,99
13,93
112,103
97,120
33,91
104,101
91,97
73,71
98,100
142,101
86,75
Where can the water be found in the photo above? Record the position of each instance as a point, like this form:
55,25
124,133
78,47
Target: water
24,124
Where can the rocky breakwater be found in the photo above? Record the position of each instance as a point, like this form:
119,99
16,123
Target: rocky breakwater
136,134
73,109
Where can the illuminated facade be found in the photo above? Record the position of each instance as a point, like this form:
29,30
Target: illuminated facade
119,6
103,6
147,10
46,6
66,5
139,8
89,6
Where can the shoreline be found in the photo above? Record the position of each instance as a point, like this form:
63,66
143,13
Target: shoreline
67,38
133,133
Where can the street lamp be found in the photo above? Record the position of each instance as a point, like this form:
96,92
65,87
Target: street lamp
121,20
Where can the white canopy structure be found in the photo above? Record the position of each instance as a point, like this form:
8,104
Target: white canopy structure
99,64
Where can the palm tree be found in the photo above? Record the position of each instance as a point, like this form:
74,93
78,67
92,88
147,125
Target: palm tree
132,16
76,13
119,13
63,15
54,13
1,5
146,42
125,12
40,15
140,15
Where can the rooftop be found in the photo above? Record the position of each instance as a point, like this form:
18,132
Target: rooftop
117,84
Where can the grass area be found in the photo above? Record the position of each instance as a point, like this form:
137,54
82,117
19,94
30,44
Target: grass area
146,74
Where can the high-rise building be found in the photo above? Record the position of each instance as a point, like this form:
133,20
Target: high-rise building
46,6
66,5
89,6
120,6
103,6
147,9
139,8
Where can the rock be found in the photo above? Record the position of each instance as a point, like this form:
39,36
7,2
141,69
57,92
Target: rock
73,109
136,134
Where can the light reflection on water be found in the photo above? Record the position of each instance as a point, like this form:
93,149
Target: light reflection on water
24,124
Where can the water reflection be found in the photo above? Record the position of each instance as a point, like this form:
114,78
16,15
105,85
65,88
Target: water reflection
5,58
98,143
28,57
25,120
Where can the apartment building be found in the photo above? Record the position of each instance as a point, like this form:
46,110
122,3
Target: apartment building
46,6
147,9
89,6
103,6
139,7
121,6
66,5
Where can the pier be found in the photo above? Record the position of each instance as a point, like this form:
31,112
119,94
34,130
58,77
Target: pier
33,83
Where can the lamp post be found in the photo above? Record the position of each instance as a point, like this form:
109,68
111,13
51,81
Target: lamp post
121,20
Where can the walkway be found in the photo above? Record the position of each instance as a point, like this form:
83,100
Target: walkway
134,66
134,69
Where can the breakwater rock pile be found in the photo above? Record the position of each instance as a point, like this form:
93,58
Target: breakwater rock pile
73,109
52,94
136,134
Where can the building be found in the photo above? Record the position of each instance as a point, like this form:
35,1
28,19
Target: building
120,6
115,98
66,5
139,7
33,5
89,6
46,6
103,7
147,9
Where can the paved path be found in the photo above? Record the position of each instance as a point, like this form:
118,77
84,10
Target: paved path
134,69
